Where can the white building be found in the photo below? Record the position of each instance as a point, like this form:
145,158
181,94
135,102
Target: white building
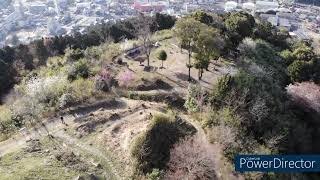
249,6
263,6
230,6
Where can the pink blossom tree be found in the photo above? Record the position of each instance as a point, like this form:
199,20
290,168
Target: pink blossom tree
125,78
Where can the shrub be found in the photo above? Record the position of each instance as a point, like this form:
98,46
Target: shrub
6,122
195,98
125,78
55,62
72,55
156,174
151,149
45,89
306,100
66,100
224,116
299,71
27,110
81,89
103,81
79,69
221,89
162,56
287,56
303,52
93,53
222,134
191,159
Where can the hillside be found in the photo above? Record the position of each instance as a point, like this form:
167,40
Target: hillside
173,103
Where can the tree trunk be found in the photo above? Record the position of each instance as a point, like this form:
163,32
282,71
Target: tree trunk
199,74
189,65
162,64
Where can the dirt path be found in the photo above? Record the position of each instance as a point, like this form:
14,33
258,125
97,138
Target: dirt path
20,140
50,126
89,149
215,150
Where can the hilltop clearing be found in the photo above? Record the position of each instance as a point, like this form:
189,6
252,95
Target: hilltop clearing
100,133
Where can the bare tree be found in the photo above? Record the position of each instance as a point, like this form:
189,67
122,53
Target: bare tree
144,34
190,159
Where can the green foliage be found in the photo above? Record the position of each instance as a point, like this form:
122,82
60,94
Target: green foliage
263,30
208,45
203,17
55,62
299,71
151,149
162,55
164,21
72,55
277,37
187,30
239,25
221,89
303,52
250,106
194,99
287,56
7,125
261,59
156,174
224,116
93,53
81,89
79,69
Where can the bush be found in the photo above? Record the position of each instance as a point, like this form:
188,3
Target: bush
66,100
81,89
79,69
45,90
303,52
125,78
151,149
72,55
27,110
195,98
6,123
287,56
221,89
156,174
55,62
103,81
224,116
191,159
299,71
311,99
